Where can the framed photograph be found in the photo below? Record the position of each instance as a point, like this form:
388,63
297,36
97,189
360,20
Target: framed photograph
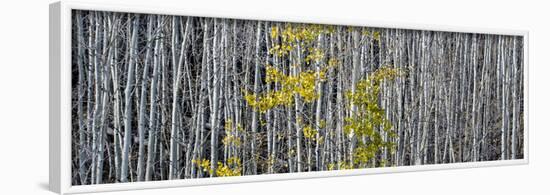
151,97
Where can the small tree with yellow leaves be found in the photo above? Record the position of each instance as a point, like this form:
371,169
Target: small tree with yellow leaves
369,117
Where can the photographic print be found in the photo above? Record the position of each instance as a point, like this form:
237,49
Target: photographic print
164,97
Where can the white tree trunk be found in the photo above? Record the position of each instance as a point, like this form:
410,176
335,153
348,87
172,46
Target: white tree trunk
128,101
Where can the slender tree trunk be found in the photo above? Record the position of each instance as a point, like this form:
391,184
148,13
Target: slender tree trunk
515,110
174,156
128,101
142,102
153,131
256,89
107,64
214,110
80,109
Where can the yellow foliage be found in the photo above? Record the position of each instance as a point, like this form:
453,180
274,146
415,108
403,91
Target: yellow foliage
322,124
376,35
315,55
332,62
294,35
344,165
369,116
274,32
366,32
230,134
204,164
364,153
228,125
340,165
330,166
232,167
302,85
309,132
231,140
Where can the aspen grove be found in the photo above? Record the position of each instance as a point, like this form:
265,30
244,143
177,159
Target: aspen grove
157,97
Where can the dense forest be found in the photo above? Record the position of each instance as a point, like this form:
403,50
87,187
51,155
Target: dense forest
158,97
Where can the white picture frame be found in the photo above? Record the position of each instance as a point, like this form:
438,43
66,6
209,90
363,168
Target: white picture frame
60,98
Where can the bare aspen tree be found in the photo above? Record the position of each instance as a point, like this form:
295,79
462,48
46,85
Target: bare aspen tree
153,131
80,109
214,110
142,102
175,96
254,127
128,100
514,100
108,28
95,41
